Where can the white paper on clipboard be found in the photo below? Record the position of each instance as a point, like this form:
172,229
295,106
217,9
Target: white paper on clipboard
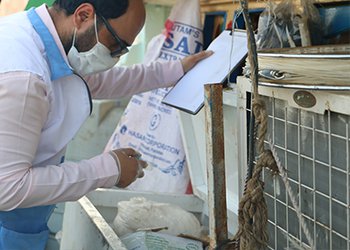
188,93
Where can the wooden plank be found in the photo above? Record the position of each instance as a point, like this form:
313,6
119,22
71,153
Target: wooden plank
321,49
215,164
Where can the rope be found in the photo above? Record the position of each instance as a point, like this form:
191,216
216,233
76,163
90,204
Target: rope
252,213
292,196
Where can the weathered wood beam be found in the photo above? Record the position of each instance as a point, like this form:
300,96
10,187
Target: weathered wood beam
215,148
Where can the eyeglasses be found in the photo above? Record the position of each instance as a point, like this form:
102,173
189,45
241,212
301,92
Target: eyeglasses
123,46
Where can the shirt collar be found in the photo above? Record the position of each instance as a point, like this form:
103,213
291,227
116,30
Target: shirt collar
56,56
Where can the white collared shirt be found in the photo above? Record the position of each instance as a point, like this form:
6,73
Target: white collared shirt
24,109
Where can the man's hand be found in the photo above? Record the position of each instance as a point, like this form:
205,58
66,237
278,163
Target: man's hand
130,165
189,61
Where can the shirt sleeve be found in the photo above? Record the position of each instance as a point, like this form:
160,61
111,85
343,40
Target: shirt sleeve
120,82
24,107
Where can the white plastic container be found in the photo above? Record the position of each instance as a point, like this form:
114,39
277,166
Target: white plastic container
86,222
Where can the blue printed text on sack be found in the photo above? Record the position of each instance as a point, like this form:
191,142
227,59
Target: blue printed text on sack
183,40
154,143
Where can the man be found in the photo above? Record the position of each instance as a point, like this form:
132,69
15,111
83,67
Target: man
51,61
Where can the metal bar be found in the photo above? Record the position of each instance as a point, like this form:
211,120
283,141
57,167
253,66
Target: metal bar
251,143
348,181
85,228
314,179
286,166
253,61
307,87
299,175
213,104
274,179
330,179
309,56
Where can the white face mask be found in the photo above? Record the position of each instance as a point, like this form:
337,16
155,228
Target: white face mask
97,59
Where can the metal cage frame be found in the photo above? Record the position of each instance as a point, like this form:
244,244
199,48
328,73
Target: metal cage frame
313,144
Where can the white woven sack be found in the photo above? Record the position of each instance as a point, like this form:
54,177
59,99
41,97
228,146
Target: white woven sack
151,127
139,214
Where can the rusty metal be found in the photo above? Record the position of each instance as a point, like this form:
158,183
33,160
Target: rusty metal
215,164
253,61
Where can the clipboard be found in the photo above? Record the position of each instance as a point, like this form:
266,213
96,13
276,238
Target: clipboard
188,93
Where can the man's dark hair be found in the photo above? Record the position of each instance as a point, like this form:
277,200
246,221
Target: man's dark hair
106,8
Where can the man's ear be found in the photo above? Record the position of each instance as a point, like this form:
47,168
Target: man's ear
83,15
